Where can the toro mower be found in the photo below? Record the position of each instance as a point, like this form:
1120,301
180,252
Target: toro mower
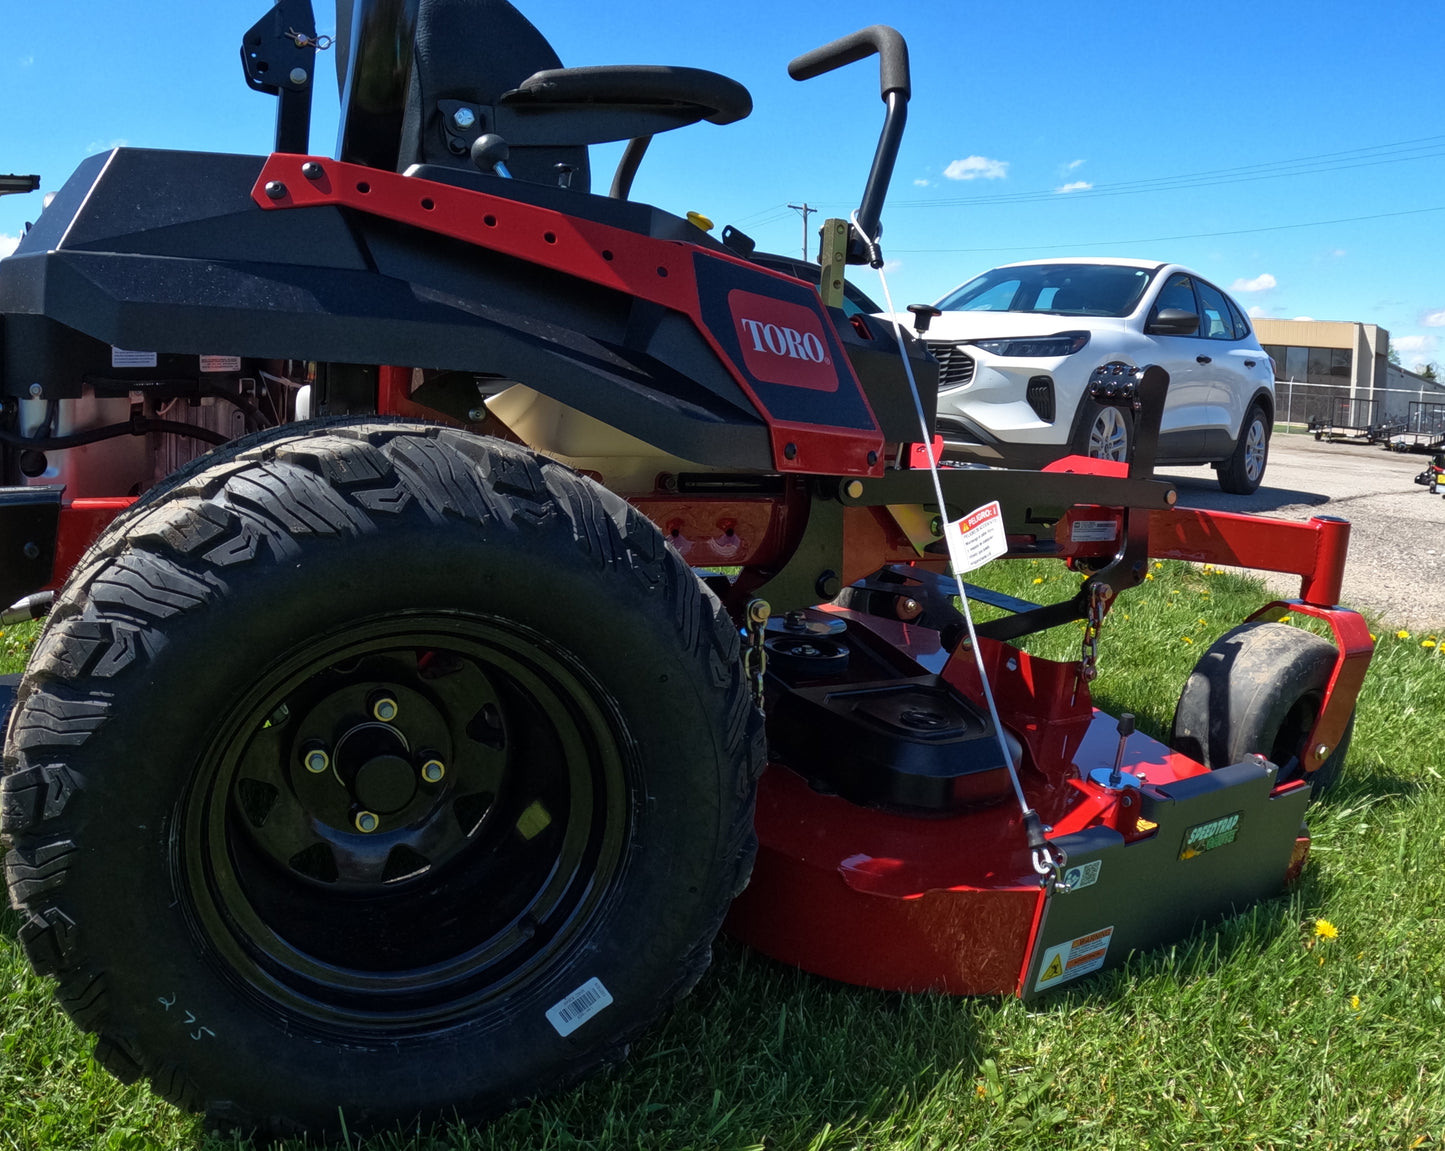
460,582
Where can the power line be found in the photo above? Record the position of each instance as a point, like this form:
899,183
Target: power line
1187,236
1424,147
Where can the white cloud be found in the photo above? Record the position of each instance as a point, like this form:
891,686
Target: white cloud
26,61
922,183
1075,186
1416,344
1337,253
1072,164
1255,311
977,168
1433,319
892,266
97,146
7,244
1261,283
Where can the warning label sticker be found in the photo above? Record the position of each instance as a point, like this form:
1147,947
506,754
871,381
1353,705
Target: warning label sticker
977,538
123,358
1065,961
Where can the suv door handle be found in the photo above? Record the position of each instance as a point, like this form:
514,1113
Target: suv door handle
1202,359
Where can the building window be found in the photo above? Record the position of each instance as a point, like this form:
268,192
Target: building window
1311,365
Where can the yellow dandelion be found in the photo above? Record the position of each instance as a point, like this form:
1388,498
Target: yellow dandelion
1402,634
1148,575
1202,622
980,1090
1354,1002
1158,564
1374,638
1038,579
1286,619
1324,929
1188,640
1427,643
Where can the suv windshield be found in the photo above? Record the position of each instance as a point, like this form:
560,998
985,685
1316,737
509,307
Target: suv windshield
1057,289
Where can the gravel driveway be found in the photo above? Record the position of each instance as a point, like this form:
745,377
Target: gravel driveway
1397,541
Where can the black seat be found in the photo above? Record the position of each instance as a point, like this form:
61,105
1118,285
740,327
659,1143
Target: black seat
421,94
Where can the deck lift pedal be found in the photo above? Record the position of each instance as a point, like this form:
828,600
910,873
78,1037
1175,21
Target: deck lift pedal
444,452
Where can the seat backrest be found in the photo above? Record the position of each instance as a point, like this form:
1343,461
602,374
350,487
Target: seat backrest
398,61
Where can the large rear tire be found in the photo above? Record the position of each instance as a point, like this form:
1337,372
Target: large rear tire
387,771
1259,689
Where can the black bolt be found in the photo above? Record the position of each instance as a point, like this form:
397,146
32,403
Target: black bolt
829,584
32,550
312,170
275,190
790,451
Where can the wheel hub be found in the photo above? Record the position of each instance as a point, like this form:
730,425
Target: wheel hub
385,784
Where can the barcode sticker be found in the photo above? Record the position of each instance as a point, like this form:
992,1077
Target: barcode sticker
570,1012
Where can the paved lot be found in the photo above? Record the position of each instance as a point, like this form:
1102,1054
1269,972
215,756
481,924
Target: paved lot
1397,541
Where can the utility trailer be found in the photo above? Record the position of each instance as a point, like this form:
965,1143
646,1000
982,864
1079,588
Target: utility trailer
1423,430
1351,420
388,751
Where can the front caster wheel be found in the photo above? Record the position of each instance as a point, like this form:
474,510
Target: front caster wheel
1259,688
400,773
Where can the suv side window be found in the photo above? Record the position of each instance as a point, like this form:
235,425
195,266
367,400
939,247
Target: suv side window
1177,293
1216,320
1241,325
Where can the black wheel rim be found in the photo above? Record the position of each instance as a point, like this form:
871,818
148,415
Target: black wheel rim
474,880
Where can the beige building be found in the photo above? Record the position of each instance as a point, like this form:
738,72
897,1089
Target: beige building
1318,364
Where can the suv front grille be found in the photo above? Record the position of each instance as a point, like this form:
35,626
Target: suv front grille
955,366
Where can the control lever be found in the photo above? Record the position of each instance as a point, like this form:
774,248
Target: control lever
923,315
1116,778
490,153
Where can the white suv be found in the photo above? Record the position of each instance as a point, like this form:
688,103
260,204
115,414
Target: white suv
1016,345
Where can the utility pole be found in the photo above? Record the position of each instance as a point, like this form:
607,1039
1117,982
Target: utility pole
807,211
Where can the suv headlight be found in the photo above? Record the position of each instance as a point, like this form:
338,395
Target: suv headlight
1036,347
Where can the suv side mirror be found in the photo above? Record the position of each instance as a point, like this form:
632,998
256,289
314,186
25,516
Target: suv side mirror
1172,322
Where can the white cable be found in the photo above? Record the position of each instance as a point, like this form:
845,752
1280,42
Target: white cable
955,559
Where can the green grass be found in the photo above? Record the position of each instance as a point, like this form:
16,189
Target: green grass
1252,1033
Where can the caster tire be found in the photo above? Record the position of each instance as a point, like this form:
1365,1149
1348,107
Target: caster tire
1259,689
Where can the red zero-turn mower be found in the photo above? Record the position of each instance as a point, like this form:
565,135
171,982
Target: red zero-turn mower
393,743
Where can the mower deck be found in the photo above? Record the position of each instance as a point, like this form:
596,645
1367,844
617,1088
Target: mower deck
951,901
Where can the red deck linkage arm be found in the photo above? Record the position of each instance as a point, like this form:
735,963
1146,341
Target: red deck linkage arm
1315,551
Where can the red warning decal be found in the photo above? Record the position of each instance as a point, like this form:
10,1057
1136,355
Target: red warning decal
782,343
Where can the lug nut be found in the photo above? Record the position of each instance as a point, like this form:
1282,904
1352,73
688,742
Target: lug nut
316,760
383,707
433,770
367,822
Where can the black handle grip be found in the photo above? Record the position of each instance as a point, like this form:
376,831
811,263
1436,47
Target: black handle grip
887,42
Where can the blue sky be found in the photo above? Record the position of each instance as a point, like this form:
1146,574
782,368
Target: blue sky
1292,153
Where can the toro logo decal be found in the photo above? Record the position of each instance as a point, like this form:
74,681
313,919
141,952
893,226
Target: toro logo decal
782,343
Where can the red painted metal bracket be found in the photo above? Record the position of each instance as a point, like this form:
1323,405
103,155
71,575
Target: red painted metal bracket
659,271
